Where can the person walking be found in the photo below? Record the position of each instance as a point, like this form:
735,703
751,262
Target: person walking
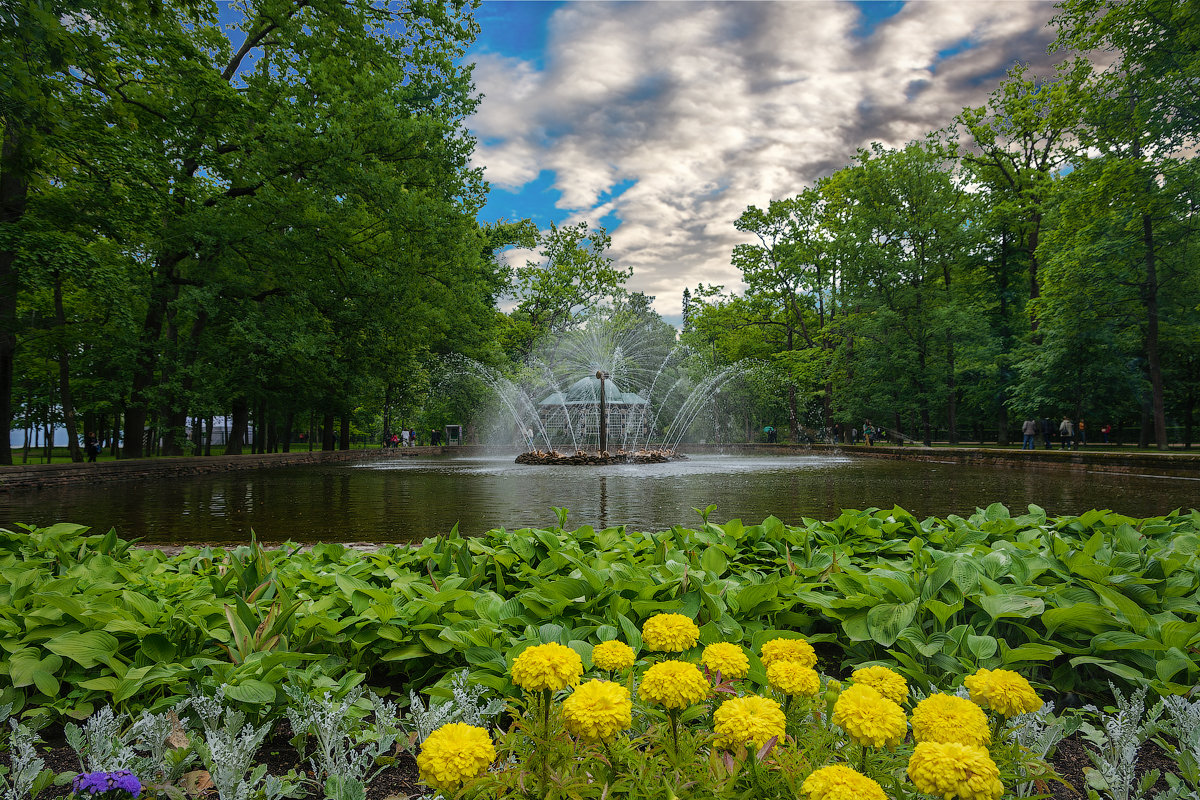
1028,429
1066,434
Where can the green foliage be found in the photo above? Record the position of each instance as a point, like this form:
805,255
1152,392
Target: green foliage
1072,602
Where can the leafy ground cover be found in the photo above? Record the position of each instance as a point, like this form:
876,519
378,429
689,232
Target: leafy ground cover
1097,608
1072,602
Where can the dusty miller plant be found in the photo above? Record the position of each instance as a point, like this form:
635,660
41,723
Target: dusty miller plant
105,744
1115,744
227,749
26,775
1182,721
467,705
1037,734
348,756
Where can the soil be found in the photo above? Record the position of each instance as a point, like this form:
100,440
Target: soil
400,781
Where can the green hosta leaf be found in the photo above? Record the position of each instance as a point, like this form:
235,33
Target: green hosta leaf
886,620
251,691
1011,605
1029,652
982,646
405,653
1078,616
714,561
86,648
943,611
1172,663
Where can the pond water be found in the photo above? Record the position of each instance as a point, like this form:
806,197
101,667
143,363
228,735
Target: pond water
411,498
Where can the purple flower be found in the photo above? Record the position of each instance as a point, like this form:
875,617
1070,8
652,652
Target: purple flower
100,783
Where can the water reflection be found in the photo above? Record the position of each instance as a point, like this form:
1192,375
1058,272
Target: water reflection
409,499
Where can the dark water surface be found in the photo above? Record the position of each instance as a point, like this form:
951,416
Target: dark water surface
409,499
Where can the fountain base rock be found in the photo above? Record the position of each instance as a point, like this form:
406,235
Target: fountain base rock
581,458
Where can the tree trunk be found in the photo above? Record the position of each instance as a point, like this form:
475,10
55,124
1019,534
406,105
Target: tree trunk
289,423
64,375
1157,405
138,409
344,444
327,432
239,419
793,416
14,193
208,423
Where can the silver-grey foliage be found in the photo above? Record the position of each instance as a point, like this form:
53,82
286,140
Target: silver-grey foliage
22,780
348,755
1114,747
467,705
1038,733
227,748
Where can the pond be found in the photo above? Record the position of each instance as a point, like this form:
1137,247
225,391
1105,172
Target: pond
408,499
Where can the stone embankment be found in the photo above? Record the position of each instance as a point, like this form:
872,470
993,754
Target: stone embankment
581,458
39,476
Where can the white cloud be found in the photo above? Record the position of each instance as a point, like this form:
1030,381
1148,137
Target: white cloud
708,108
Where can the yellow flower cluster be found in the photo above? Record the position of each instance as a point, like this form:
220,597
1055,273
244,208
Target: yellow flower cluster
728,659
547,666
748,720
1003,691
951,769
883,680
870,718
947,718
454,754
797,650
670,633
839,782
598,711
673,685
612,656
792,678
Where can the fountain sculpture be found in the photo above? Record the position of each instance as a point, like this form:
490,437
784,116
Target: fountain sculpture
566,419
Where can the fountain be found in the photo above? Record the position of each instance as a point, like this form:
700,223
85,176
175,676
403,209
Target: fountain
610,393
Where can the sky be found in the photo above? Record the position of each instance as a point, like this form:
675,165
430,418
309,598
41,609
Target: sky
663,121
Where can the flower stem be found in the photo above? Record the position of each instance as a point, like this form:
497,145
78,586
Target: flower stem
673,715
545,740
862,767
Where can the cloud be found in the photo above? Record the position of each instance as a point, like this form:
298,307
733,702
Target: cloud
706,108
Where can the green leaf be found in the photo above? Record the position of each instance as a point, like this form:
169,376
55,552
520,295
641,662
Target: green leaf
86,648
1011,605
886,620
251,691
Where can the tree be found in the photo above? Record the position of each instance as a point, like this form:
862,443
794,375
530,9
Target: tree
572,279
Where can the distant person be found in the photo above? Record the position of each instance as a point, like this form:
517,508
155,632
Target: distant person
1105,431
854,436
1028,429
404,437
869,433
1047,432
1066,434
435,437
91,447
1081,433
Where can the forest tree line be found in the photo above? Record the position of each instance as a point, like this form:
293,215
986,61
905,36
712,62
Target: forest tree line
272,217
1035,259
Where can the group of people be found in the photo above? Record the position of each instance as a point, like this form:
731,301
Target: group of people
405,438
1071,435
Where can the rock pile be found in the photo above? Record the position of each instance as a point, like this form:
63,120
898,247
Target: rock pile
582,458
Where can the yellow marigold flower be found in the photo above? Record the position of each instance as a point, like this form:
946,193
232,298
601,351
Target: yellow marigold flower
728,659
454,754
792,678
748,720
547,666
670,633
598,711
869,717
797,650
883,680
1003,691
839,782
948,718
673,685
951,769
612,656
